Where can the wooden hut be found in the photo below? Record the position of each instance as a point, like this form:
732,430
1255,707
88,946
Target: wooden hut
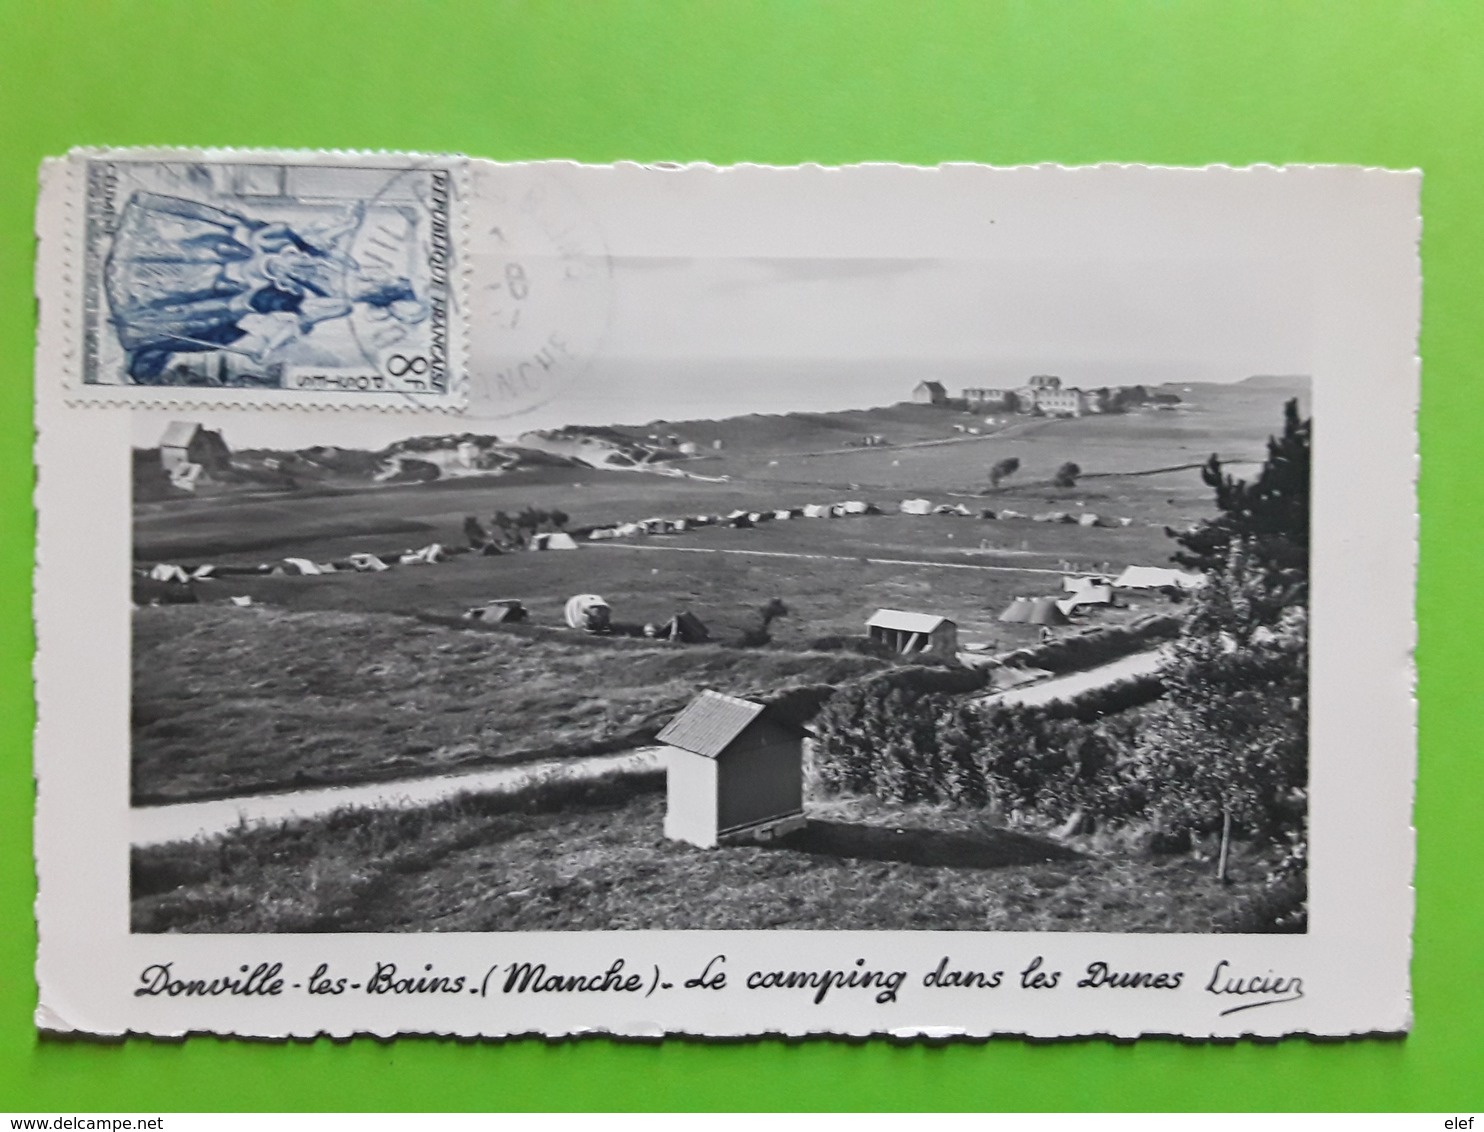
733,767
912,633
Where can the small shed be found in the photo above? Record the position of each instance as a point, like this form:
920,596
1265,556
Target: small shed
912,633
929,393
733,766
185,443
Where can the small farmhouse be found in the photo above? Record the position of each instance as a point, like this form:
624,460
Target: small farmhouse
186,442
733,767
930,393
913,633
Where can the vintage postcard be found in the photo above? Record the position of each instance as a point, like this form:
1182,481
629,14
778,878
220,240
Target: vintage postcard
264,278
876,600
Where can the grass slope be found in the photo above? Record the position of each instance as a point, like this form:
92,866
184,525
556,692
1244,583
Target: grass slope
590,856
231,701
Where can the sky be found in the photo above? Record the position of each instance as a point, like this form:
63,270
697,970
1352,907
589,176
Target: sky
678,337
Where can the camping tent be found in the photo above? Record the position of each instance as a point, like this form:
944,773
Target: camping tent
165,572
1044,611
951,509
686,628
424,556
1157,578
855,507
367,563
1018,611
497,611
1087,596
555,540
588,612
816,511
1074,583
300,566
917,507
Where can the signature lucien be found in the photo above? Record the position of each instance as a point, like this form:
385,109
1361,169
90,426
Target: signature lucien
1252,991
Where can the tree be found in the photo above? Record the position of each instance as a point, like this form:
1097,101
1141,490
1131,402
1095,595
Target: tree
1066,475
559,518
474,532
1271,514
1006,467
1229,747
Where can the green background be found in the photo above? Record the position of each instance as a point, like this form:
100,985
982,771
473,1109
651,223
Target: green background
1396,84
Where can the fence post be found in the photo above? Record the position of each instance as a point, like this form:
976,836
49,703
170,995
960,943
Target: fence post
1226,846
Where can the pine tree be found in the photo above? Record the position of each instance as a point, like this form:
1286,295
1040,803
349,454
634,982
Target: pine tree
1271,513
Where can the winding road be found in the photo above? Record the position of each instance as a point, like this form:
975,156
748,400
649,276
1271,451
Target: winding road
1074,684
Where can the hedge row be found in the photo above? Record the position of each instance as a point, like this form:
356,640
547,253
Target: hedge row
1097,646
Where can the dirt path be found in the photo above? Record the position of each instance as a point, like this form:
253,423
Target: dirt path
182,821
616,545
1076,683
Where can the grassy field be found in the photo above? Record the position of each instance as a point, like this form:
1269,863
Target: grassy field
830,593
348,677
233,701
568,857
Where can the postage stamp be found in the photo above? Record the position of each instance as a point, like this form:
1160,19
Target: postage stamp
848,601
255,277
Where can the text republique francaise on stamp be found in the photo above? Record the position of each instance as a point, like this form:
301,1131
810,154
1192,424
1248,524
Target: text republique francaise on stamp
235,277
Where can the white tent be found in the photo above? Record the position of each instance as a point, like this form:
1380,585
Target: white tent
854,507
426,556
555,540
165,572
300,566
816,511
1157,578
1073,583
783,513
1087,596
368,563
917,507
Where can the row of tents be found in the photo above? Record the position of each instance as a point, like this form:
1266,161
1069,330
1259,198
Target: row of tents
1090,591
847,508
590,613
737,518
361,563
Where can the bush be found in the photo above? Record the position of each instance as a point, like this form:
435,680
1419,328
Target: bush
887,739
1098,646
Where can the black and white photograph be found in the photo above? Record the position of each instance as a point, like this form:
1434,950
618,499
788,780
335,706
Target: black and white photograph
833,555
1022,656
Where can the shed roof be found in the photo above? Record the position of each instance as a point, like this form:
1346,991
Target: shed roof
712,721
179,434
934,386
907,622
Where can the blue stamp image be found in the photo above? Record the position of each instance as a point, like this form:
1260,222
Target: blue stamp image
330,277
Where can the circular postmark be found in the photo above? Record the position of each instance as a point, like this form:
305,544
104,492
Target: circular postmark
541,301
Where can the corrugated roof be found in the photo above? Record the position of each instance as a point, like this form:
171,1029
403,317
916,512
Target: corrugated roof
179,434
907,622
710,723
